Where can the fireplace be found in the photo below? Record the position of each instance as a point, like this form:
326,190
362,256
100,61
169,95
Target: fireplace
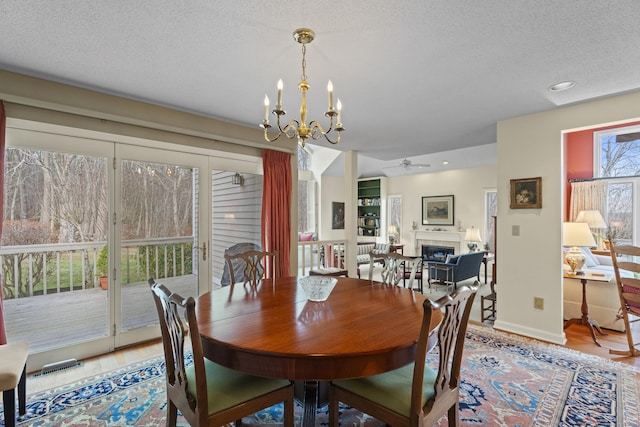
436,253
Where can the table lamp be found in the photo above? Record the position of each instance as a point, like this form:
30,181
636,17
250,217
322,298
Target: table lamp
576,235
595,221
472,236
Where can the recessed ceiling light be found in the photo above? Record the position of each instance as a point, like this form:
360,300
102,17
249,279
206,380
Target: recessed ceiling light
445,162
562,86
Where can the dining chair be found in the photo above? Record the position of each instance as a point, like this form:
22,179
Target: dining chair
238,264
395,268
627,274
488,304
13,374
206,393
416,394
257,265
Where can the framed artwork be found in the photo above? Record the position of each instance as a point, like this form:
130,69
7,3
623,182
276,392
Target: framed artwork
437,210
526,193
337,215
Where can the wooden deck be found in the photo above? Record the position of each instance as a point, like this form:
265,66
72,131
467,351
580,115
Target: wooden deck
47,321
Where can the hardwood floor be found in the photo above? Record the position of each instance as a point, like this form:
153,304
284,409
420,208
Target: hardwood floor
578,338
95,366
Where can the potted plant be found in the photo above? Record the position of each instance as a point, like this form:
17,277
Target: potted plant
611,235
102,266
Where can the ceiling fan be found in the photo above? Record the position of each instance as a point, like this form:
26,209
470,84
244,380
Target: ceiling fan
406,164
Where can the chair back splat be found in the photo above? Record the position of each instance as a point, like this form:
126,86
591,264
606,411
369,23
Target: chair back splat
397,268
416,394
626,266
192,389
258,265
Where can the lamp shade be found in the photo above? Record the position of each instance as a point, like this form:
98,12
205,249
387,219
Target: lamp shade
577,234
593,218
472,235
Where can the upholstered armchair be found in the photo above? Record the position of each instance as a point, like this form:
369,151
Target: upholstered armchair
455,269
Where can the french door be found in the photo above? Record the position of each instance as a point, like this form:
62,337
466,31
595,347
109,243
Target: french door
81,207
160,232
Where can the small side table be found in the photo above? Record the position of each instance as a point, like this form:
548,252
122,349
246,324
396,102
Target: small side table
585,319
397,248
448,271
485,260
329,271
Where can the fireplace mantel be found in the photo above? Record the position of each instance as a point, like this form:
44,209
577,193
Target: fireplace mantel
444,238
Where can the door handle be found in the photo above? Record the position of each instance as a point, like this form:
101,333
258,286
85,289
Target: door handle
203,248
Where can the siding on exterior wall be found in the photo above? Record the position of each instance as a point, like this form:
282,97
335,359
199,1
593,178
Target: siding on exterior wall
236,213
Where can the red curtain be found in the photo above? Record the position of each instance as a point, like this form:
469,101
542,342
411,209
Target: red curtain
3,126
276,207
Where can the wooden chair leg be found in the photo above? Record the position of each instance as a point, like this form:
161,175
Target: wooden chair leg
22,392
9,403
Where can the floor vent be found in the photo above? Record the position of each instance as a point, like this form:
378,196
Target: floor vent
59,366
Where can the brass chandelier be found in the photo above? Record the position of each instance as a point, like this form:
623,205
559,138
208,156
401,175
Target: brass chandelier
296,128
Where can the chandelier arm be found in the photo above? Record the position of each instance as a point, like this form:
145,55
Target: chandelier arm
291,129
317,130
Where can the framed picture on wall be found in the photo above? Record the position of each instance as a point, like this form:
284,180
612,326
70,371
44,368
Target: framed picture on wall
526,193
437,210
337,215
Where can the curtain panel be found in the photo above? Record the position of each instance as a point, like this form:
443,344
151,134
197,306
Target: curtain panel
588,195
276,207
3,128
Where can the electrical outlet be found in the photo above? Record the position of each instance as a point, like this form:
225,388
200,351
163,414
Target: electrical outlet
538,303
515,230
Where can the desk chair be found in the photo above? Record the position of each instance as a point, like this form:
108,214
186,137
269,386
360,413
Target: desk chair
416,395
208,394
628,290
13,373
257,265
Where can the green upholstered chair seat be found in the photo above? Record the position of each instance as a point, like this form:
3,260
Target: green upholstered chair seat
391,389
231,387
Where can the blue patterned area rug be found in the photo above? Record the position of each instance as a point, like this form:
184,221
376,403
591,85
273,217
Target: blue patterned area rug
507,381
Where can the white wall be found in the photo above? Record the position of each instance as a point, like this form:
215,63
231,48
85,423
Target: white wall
466,185
530,265
332,189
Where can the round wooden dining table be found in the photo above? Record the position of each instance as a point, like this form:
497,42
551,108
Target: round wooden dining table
272,330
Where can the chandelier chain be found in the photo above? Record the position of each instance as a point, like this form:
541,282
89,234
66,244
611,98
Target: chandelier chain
304,63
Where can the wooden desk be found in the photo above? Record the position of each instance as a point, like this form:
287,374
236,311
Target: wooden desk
585,319
273,331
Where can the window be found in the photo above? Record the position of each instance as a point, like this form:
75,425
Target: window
617,155
490,210
306,193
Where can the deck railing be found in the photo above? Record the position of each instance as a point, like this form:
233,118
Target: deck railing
31,270
54,268
320,254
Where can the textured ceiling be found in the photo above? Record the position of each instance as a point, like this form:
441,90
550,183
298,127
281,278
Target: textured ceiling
415,77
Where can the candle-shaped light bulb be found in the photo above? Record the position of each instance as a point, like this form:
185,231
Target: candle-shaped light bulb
279,105
266,108
339,107
330,91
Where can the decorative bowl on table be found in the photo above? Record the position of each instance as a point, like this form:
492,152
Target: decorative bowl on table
317,288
